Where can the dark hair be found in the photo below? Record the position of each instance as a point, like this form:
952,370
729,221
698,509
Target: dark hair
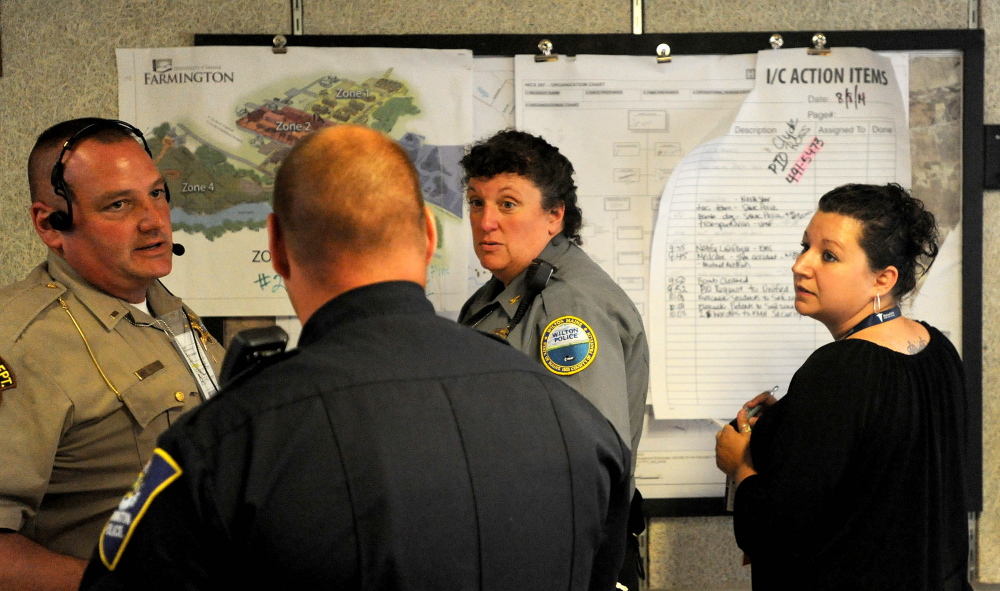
529,156
896,229
39,172
63,130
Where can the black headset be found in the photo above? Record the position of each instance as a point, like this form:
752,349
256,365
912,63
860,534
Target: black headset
62,221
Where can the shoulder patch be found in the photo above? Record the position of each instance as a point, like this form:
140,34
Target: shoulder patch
7,379
568,345
159,472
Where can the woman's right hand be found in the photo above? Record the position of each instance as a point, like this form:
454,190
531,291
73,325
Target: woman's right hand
765,398
732,449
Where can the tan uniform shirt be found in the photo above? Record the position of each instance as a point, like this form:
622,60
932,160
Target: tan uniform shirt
69,448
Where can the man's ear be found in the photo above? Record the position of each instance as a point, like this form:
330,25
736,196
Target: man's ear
40,213
432,236
279,250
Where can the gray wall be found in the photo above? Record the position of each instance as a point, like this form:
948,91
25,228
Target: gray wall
58,63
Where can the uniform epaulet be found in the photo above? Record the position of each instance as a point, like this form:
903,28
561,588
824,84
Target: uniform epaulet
264,363
22,302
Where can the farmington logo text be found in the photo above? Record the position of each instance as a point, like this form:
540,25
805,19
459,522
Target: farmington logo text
189,77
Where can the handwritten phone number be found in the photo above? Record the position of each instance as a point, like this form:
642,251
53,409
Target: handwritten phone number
802,164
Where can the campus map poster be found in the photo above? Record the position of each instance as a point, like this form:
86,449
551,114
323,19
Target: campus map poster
219,120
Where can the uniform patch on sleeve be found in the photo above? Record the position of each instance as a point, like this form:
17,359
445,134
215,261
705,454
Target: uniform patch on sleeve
568,345
159,472
7,379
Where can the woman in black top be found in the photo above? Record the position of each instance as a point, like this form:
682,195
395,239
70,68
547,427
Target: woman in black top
855,478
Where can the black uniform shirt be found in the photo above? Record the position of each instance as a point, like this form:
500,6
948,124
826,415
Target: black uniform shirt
396,450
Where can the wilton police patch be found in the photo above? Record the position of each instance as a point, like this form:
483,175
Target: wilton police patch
568,345
159,472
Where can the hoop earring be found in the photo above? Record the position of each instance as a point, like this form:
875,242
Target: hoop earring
877,304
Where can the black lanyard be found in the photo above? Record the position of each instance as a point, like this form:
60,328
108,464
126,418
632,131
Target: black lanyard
873,319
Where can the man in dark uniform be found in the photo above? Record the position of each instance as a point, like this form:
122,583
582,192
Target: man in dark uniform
394,449
90,368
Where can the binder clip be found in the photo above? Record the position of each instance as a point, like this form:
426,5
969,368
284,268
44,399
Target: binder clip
545,46
278,44
819,45
776,41
662,53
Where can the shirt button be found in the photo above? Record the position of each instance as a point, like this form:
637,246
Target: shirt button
179,396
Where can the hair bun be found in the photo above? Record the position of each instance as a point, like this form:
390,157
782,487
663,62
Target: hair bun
897,229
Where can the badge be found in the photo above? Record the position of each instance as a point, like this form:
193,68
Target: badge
159,472
568,346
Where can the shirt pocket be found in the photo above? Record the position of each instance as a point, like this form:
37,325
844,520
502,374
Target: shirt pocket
168,391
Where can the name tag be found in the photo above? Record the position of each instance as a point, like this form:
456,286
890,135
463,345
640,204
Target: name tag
197,360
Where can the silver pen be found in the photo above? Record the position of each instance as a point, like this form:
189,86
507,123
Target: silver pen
752,412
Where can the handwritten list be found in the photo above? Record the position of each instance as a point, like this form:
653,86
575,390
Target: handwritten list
722,321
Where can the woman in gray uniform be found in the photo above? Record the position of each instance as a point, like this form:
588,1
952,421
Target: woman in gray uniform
579,323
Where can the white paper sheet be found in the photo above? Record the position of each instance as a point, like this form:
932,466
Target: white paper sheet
625,122
723,325
493,110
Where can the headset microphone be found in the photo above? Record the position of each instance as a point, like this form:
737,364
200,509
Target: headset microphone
178,249
61,221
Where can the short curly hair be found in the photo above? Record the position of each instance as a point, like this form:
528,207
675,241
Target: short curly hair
896,229
529,156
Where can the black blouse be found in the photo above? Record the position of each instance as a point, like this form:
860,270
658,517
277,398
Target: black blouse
861,473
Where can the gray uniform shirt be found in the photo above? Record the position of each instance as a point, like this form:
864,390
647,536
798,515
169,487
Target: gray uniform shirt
616,379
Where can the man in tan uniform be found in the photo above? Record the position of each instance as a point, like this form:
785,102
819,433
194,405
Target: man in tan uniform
97,358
